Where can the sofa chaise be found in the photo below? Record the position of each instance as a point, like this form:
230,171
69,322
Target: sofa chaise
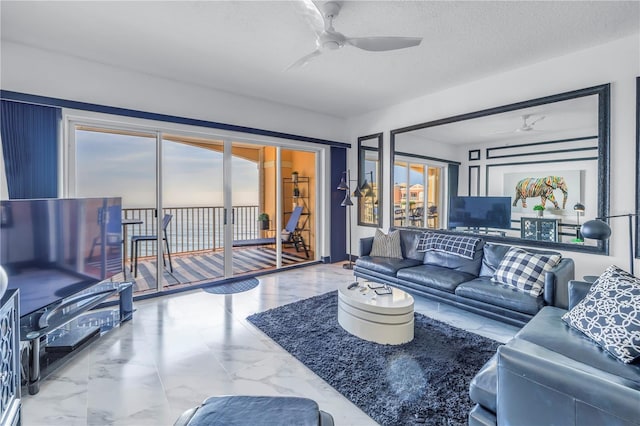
550,373
463,282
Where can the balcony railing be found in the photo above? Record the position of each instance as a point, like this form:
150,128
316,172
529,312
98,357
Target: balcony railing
194,228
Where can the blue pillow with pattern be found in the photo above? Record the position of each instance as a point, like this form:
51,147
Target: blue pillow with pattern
610,314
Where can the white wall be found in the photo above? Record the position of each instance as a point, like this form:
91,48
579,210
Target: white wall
617,63
45,73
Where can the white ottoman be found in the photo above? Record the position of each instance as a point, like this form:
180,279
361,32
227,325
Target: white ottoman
386,319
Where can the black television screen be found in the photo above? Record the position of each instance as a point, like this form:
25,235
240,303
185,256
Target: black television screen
54,248
480,212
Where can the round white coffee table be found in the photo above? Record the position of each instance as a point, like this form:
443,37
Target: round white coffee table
386,319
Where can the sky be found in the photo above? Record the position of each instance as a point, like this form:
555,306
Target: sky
124,166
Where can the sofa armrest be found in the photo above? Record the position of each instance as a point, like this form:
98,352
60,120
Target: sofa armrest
556,283
366,244
577,291
571,392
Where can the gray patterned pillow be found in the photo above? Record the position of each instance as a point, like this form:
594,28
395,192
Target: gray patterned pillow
386,245
610,314
525,271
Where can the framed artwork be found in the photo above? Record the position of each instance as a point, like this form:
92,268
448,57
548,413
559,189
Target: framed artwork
527,189
573,176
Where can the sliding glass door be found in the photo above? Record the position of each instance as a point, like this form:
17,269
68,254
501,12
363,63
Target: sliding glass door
417,194
198,208
119,163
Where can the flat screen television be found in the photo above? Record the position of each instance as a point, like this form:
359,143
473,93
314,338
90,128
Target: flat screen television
480,212
54,248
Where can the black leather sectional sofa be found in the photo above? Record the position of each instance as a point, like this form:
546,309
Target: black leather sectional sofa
551,374
462,282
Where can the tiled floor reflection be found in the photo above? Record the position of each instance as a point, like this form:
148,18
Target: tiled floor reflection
181,349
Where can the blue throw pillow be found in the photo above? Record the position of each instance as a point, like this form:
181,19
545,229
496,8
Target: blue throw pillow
610,314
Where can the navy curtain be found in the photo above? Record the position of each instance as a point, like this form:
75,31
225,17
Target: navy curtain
453,171
30,149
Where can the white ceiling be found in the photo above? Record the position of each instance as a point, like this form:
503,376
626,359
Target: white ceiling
244,47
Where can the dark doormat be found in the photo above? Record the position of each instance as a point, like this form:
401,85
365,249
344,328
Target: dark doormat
234,287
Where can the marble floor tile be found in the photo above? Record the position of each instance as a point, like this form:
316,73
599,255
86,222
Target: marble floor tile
183,348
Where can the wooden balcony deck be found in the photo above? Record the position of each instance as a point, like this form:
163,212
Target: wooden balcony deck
200,267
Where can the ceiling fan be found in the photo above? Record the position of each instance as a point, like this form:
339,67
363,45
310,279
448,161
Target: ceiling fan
527,126
327,38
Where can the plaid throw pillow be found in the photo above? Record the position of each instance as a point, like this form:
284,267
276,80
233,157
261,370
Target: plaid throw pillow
610,314
386,245
453,244
524,270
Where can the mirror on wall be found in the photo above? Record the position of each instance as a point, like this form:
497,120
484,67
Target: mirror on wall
533,171
637,248
370,180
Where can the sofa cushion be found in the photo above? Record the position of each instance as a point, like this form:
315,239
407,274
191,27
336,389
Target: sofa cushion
483,289
484,385
525,270
385,265
610,314
492,255
386,245
409,244
457,245
451,261
549,331
435,276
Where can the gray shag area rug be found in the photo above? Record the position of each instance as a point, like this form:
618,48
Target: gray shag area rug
425,381
234,287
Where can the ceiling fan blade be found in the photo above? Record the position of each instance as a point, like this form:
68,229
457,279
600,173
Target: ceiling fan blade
536,120
311,14
304,60
381,44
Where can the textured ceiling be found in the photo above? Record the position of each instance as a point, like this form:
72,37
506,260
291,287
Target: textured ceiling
244,47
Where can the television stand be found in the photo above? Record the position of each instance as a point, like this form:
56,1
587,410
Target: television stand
66,326
486,231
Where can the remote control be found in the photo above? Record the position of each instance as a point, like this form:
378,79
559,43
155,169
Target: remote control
352,285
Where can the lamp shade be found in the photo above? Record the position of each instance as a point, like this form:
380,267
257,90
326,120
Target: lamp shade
579,207
596,230
347,200
357,193
343,186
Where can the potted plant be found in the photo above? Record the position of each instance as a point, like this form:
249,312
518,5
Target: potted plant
539,209
263,218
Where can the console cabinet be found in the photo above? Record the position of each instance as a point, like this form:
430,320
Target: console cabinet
10,359
537,228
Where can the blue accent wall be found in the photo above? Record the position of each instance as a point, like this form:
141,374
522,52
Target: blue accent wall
338,213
